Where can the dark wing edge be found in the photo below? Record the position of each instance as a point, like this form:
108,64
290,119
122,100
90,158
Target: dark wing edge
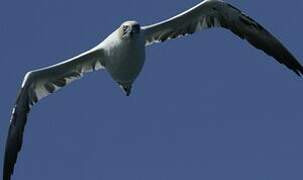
15,134
216,13
37,85
250,30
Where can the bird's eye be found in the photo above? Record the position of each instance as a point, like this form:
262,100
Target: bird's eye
124,27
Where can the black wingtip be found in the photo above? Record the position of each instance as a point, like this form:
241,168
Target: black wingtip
294,65
10,156
300,73
7,171
14,140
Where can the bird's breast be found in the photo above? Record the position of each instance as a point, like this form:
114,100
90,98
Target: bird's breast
125,60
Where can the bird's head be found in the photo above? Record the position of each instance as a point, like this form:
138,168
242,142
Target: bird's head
129,29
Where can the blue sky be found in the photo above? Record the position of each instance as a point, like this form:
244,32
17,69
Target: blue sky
205,107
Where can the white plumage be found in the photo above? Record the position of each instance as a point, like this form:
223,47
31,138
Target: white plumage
122,54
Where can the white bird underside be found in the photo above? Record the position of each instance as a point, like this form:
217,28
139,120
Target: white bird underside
124,61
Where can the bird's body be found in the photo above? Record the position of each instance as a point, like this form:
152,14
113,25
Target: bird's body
122,54
124,57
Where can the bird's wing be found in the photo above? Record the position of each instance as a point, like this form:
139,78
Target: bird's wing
216,13
37,85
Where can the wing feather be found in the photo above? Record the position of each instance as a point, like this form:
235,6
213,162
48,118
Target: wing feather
216,13
37,85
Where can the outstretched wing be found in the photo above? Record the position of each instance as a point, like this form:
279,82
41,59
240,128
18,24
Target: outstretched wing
216,13
37,85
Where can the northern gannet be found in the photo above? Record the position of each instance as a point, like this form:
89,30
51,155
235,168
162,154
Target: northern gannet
122,55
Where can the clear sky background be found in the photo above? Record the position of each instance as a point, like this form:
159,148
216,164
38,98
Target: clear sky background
205,107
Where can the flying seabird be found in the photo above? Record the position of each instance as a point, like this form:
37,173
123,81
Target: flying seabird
122,55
